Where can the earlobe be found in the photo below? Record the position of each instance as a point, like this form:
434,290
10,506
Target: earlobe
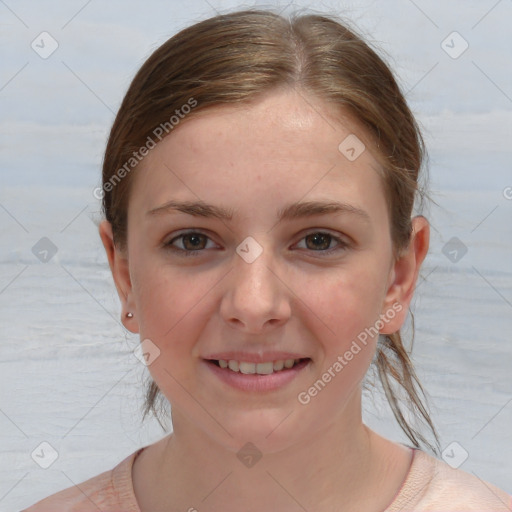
404,275
119,267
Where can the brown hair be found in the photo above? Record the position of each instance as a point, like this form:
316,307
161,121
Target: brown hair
233,58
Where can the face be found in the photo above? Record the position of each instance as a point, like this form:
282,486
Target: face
266,281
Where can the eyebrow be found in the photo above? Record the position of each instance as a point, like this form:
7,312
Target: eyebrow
293,211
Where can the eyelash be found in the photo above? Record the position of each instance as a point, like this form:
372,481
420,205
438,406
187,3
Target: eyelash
342,244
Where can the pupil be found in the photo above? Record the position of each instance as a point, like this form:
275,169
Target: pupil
319,236
193,237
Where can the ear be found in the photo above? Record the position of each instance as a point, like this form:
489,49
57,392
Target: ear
118,262
403,276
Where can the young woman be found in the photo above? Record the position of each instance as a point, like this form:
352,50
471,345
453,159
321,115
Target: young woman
259,183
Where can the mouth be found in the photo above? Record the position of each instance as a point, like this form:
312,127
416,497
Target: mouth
258,377
265,368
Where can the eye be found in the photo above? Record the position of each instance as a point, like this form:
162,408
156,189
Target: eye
319,241
192,243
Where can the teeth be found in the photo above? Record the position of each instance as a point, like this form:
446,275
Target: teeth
265,368
247,368
278,365
257,368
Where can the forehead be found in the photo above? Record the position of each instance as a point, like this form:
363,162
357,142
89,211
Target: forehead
270,126
284,144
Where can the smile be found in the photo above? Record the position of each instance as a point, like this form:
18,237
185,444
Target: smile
258,377
265,368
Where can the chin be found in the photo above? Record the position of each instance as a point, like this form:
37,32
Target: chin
269,431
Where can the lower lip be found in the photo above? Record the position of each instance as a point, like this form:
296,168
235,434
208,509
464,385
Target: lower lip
255,382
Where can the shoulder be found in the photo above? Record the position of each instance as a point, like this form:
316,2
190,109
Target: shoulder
433,485
109,491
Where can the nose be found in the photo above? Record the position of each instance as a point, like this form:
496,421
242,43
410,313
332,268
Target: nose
256,298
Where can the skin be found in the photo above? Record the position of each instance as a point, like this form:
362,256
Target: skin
295,296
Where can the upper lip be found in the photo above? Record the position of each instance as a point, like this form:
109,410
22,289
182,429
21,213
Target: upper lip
252,357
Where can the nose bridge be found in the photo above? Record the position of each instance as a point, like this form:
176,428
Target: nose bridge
252,273
255,294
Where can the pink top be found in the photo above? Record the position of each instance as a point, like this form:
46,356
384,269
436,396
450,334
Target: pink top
430,485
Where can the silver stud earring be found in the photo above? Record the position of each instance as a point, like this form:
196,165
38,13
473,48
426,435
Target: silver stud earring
129,315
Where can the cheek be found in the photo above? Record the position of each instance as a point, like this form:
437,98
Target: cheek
173,309
349,309
164,301
166,306
348,302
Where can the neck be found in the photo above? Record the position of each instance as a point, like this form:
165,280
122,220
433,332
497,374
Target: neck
334,469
